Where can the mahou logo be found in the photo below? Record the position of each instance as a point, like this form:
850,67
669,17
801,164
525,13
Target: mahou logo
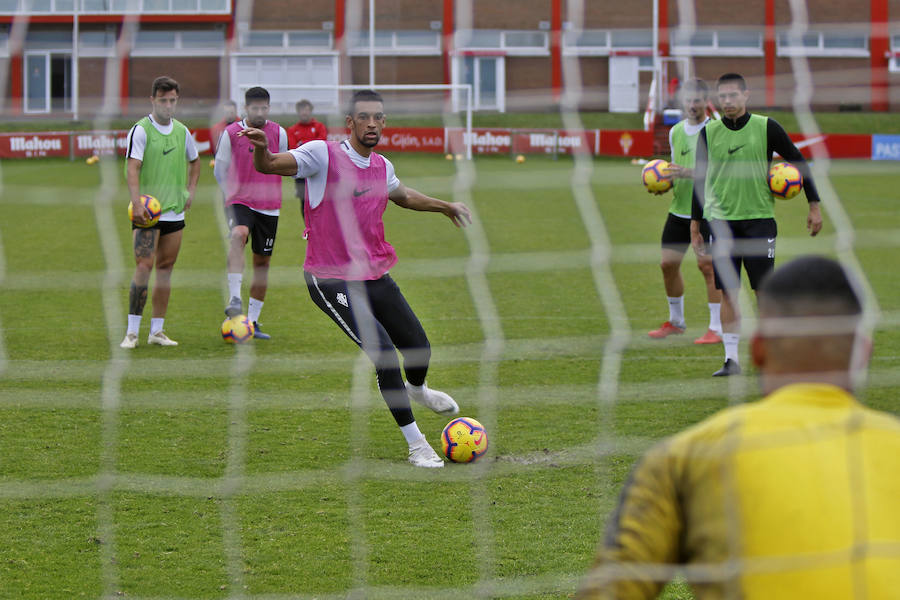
34,144
100,143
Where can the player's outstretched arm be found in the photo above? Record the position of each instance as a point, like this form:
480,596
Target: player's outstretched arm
414,200
264,161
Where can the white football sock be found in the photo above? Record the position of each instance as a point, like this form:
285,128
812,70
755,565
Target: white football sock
731,341
134,324
253,309
156,325
234,285
411,433
715,319
676,311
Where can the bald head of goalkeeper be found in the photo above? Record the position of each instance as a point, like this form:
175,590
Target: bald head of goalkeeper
809,326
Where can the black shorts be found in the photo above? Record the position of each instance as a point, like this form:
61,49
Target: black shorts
750,243
165,227
262,227
676,233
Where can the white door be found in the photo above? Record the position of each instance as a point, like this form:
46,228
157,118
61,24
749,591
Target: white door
623,84
287,80
487,76
37,82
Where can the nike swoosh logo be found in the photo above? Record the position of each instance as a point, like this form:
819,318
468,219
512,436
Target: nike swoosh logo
683,152
735,149
770,240
358,193
167,151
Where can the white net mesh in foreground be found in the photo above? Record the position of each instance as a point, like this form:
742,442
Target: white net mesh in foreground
490,390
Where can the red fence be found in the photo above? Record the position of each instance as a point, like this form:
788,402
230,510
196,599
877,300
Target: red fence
597,142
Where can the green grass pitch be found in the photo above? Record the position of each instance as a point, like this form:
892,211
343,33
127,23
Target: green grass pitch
270,471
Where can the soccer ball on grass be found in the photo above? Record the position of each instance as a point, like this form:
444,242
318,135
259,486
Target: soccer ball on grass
655,177
464,440
785,180
152,206
237,329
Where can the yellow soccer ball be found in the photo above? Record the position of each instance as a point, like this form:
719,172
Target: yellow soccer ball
655,177
152,206
464,440
237,329
785,180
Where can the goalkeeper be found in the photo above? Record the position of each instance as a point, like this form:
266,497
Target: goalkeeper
791,497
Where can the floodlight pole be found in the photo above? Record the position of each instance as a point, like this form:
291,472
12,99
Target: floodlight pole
372,43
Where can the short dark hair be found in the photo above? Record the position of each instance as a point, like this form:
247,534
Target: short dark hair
695,85
810,286
164,84
732,78
363,96
256,93
303,103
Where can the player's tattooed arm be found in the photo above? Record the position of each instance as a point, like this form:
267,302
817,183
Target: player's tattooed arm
137,298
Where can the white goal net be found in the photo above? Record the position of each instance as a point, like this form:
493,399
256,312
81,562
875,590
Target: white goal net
272,470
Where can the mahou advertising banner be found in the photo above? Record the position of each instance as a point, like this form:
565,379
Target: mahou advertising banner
484,141
552,141
34,145
99,143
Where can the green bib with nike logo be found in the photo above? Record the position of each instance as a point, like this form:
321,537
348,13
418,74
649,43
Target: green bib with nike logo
684,154
736,176
164,168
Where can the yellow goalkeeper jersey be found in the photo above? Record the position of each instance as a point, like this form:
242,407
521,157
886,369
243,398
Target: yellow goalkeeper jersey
795,496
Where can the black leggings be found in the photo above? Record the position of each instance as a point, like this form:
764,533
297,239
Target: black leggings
375,315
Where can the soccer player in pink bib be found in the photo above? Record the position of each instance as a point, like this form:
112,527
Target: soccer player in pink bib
252,204
347,258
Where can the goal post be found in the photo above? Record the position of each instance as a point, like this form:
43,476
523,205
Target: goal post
446,104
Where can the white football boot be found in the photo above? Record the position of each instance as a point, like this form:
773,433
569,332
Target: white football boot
421,454
439,402
130,341
161,339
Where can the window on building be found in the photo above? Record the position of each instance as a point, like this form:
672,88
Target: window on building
203,38
310,39
263,39
823,43
169,42
418,42
717,42
36,39
42,7
99,42
154,39
515,43
631,39
585,43
38,6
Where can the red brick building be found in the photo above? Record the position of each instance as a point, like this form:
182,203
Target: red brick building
517,54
